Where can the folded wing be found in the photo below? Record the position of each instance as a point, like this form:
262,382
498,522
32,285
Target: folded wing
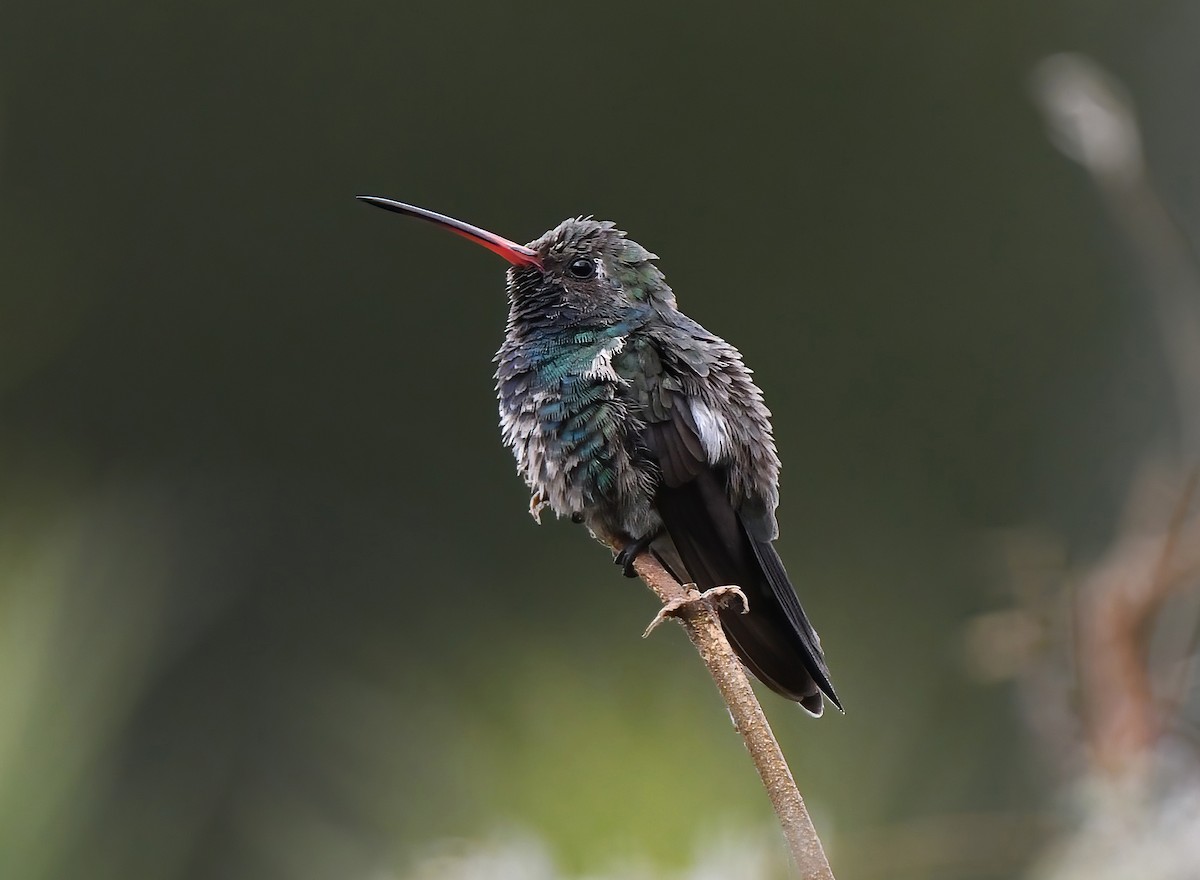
714,544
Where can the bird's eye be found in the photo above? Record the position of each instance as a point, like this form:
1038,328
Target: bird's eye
582,268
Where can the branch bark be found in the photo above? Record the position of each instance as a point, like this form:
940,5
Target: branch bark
699,618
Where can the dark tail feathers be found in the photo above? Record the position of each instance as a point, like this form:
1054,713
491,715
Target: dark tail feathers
775,639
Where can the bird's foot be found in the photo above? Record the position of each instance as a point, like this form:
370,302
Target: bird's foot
632,551
714,598
536,505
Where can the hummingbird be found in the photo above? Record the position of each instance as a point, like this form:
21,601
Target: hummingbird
626,415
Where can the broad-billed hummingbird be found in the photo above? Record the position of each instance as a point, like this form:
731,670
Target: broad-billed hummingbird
625,414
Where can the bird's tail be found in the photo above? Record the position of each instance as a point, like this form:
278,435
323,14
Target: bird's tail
774,639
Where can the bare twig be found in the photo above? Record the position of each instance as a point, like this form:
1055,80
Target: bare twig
698,615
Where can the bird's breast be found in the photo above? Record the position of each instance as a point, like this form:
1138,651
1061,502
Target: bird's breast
562,416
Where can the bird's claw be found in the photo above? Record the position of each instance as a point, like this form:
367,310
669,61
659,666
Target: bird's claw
631,551
714,598
536,505
625,559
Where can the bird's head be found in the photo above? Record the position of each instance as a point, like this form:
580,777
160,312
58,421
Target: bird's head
584,266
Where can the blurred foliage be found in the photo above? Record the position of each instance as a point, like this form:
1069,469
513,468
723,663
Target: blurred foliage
270,605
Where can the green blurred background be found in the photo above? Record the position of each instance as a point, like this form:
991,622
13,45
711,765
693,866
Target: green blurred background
270,603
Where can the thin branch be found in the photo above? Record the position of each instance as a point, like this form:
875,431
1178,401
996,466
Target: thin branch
1091,118
1119,604
698,615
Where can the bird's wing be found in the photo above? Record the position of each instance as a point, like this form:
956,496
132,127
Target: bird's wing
720,543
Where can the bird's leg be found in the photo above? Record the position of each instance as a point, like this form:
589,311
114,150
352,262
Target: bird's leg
632,551
715,597
536,505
